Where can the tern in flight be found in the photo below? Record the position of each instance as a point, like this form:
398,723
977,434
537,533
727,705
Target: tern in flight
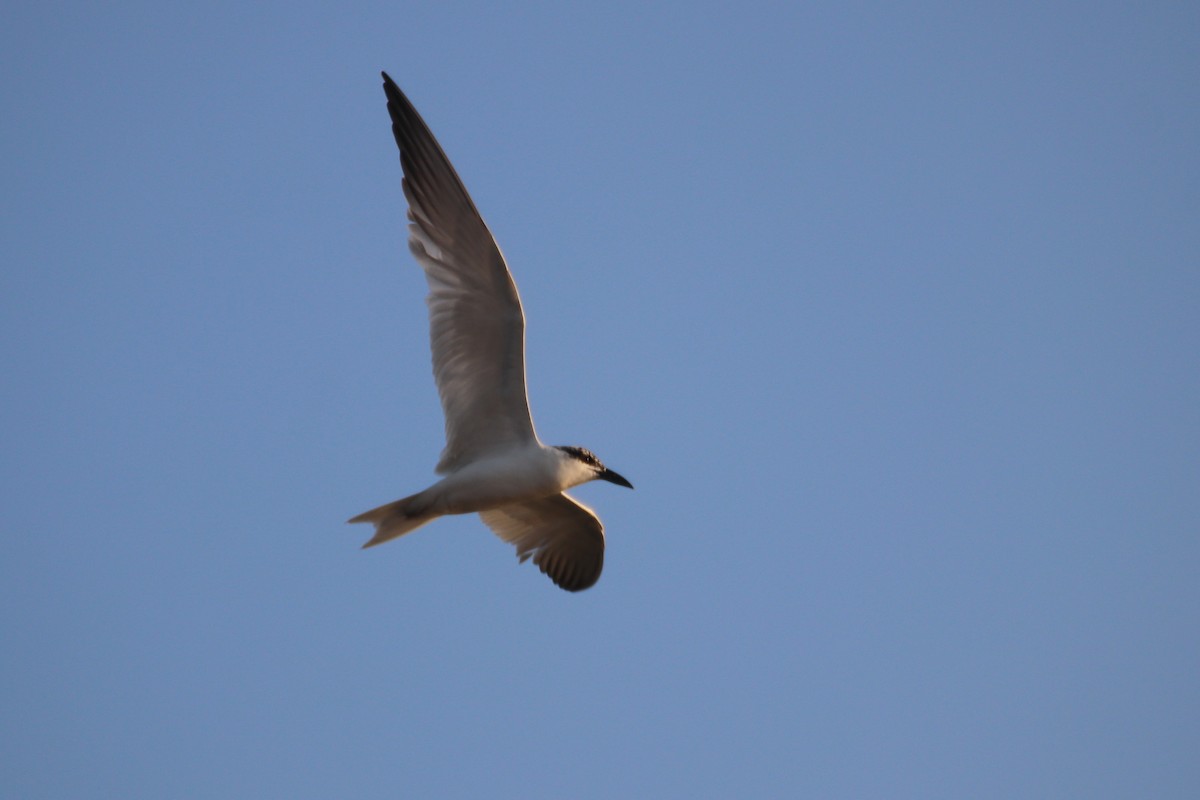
493,463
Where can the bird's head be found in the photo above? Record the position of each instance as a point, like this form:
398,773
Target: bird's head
587,467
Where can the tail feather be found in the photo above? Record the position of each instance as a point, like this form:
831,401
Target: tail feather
396,519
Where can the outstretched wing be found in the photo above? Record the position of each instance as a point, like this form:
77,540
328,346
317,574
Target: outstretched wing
563,536
477,329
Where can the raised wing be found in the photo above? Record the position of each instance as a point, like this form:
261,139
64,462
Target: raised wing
477,329
563,536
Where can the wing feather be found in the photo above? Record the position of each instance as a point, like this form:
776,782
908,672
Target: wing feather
562,536
477,328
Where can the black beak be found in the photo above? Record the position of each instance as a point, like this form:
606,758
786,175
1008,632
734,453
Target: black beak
612,477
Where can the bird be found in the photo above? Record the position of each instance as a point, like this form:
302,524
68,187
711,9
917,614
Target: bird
493,463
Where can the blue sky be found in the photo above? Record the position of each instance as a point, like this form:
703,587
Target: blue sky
888,310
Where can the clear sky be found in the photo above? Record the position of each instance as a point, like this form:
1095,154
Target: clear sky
890,311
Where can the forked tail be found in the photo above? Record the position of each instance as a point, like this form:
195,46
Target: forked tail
396,519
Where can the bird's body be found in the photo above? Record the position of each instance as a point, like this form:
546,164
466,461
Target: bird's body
493,463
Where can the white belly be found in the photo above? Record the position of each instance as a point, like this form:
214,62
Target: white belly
497,481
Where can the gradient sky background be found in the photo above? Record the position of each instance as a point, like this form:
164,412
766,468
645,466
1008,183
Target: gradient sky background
891,313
